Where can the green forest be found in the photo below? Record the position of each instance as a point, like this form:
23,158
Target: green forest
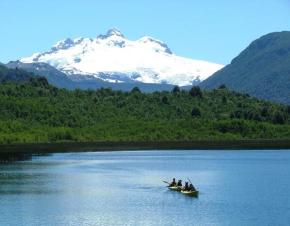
33,111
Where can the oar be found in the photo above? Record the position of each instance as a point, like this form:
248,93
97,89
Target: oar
165,182
191,183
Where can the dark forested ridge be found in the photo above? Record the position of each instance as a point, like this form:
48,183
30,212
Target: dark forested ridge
7,74
60,80
33,111
262,69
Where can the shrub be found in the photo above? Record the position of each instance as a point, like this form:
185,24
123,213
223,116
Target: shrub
164,100
176,89
223,86
195,91
278,118
136,90
195,112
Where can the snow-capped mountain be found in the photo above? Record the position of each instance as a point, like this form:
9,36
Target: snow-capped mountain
113,58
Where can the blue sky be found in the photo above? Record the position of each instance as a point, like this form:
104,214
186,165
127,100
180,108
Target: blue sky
200,29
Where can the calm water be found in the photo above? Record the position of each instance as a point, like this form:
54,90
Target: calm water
126,188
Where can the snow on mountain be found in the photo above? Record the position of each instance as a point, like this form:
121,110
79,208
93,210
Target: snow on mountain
114,58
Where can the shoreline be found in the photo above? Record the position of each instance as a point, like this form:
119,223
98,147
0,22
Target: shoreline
42,148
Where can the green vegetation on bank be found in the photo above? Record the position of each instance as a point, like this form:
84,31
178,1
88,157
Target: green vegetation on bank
36,112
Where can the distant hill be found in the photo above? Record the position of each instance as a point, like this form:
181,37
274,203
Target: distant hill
7,74
53,76
60,79
261,70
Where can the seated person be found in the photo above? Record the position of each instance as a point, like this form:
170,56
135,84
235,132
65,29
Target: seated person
173,183
191,187
185,188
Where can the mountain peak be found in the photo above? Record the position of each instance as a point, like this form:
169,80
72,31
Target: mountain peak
63,44
111,32
114,31
148,39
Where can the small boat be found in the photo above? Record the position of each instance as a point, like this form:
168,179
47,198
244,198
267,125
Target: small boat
179,189
175,188
190,193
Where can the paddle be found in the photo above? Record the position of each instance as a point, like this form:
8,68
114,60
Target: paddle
165,182
189,180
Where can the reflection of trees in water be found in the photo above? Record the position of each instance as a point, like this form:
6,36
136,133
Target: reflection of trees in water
19,174
22,182
12,157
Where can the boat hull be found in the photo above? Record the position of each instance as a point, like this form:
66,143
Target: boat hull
175,188
190,193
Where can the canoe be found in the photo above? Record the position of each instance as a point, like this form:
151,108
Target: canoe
190,193
175,188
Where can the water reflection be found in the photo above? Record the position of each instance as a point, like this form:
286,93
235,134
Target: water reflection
7,157
12,157
24,178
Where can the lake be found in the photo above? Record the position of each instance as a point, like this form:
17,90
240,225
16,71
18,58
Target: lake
126,188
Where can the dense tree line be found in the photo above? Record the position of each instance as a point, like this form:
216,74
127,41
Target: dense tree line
34,111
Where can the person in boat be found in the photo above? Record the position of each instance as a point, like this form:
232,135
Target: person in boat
191,187
179,183
173,183
185,188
